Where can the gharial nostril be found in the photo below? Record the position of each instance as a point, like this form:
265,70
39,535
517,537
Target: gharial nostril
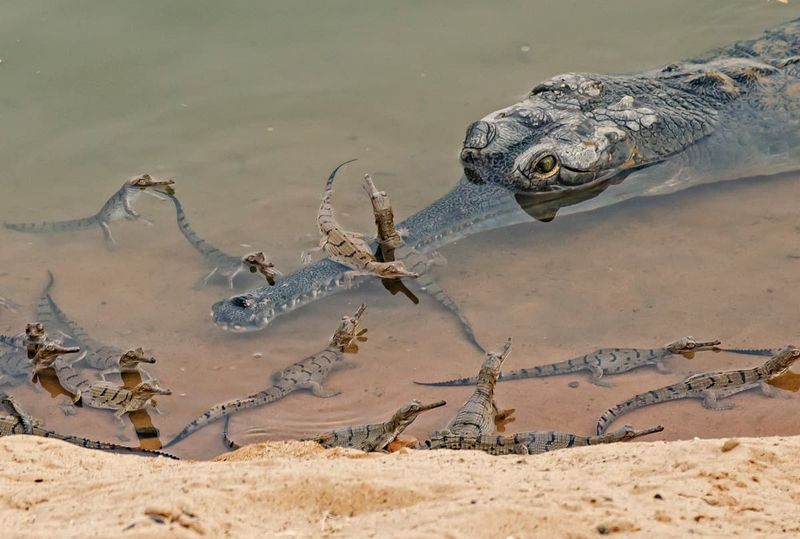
469,155
479,135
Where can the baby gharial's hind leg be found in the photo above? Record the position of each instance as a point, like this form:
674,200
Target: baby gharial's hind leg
233,275
204,281
318,391
110,242
711,398
596,376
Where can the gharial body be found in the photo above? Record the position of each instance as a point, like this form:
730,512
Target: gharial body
583,141
711,387
309,374
119,206
599,363
349,248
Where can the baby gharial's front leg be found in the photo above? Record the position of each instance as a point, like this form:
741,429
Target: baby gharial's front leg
132,214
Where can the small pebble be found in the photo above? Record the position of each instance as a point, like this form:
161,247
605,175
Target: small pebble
603,530
245,245
378,392
258,355
270,129
574,384
658,497
729,444
525,48
182,395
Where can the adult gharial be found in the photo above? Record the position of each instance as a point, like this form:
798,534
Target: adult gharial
583,141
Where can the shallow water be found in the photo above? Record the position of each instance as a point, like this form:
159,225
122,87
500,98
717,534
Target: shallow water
248,105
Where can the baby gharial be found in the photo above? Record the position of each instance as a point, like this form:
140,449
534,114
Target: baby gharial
349,248
257,262
119,206
113,397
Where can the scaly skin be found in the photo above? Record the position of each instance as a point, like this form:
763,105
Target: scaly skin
479,415
112,397
730,115
107,359
14,365
709,386
349,248
309,374
533,443
600,362
16,421
119,206
79,385
376,437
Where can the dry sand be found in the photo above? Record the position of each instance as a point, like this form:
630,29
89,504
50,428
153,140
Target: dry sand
748,487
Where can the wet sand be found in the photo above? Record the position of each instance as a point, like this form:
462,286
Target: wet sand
709,488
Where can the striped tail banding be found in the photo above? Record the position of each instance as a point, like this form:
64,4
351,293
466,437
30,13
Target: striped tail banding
58,226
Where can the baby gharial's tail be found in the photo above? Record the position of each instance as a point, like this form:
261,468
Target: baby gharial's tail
639,401
327,195
104,446
471,381
227,408
58,226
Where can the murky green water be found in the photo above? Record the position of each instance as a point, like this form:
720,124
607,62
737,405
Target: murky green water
248,105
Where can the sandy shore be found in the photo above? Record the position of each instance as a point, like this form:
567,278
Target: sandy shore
747,487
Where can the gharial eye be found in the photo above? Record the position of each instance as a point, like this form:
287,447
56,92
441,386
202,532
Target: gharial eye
545,165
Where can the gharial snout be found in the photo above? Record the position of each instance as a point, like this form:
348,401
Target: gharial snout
479,135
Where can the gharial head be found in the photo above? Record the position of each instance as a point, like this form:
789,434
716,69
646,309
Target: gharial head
576,130
145,182
782,361
35,336
34,331
150,388
490,368
395,270
685,345
408,413
47,354
133,357
348,330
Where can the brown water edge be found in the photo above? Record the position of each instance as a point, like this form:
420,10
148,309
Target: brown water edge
715,262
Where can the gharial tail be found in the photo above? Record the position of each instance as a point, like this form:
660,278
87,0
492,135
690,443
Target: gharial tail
327,195
227,408
471,381
58,226
201,245
639,401
104,446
